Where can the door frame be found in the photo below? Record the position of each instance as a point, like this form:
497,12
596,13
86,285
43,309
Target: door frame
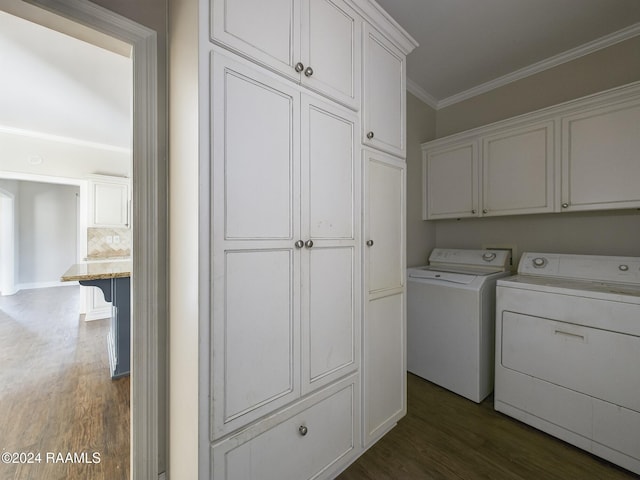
150,276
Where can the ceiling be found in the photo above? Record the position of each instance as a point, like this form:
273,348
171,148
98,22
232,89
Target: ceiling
471,46
55,86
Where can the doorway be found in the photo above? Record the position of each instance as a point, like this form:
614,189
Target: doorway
149,219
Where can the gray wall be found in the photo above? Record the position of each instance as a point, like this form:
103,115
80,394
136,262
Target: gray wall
421,127
47,225
601,70
597,233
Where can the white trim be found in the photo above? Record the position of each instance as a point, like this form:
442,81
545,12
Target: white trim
422,94
149,281
554,61
66,140
36,285
381,20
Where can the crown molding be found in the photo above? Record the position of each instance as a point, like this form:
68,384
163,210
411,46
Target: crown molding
422,94
567,56
60,139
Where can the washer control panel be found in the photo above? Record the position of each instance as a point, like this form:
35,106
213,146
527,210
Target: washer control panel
581,267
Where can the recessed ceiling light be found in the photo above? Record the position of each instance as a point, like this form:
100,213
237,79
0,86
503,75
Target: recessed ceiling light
35,160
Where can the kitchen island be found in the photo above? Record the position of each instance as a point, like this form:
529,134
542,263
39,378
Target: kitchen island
114,279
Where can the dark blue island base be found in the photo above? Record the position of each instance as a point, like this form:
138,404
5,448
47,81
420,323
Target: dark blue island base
117,291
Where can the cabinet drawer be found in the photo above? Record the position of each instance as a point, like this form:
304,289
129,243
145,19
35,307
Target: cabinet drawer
587,360
305,446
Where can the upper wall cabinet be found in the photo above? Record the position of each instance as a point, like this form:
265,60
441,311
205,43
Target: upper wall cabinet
109,202
314,42
581,155
384,104
601,158
518,171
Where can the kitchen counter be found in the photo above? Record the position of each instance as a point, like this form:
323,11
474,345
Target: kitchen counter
97,271
113,278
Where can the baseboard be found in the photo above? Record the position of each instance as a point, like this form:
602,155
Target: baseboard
34,285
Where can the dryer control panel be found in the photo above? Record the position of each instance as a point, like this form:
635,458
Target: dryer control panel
581,267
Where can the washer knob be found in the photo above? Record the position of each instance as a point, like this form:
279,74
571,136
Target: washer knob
487,257
539,262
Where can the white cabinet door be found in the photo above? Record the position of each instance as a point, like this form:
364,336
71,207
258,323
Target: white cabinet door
384,358
451,183
314,42
266,32
330,195
601,159
518,171
256,266
331,45
384,99
109,202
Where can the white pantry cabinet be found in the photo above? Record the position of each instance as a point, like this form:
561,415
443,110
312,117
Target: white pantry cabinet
314,42
384,369
384,102
109,202
286,253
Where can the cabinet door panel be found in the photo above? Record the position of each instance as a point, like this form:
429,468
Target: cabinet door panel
384,95
259,142
385,366
255,267
259,330
331,332
329,160
600,162
384,216
268,32
109,204
518,170
331,47
451,183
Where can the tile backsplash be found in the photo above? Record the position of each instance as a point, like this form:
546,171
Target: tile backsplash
108,243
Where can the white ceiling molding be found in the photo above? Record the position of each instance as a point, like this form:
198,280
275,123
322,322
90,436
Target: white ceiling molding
422,94
66,140
569,55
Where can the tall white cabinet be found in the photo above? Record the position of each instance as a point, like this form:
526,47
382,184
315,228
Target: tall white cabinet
304,233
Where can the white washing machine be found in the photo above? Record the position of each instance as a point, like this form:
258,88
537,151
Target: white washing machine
451,319
568,351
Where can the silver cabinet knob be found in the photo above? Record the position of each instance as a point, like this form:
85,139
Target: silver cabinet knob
369,243
473,211
484,210
623,268
308,243
565,205
299,244
303,430
299,67
370,135
308,71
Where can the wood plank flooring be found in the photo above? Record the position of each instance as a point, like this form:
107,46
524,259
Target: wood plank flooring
445,436
56,395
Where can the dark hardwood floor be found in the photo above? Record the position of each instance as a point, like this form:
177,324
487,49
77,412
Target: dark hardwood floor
56,395
445,436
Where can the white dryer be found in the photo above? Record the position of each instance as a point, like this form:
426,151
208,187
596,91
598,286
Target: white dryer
568,351
451,319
